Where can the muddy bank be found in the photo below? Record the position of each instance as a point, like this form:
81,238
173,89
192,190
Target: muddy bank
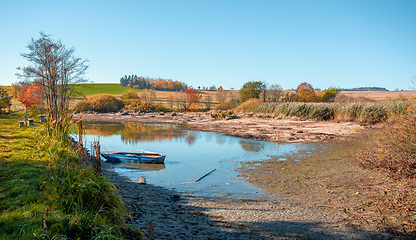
168,214
258,128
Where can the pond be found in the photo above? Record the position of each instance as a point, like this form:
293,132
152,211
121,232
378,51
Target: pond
189,156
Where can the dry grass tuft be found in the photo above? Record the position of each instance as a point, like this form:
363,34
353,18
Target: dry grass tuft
394,152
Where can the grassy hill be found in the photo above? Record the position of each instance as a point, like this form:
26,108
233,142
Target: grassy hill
97,88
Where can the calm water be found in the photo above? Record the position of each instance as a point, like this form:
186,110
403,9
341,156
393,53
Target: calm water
189,155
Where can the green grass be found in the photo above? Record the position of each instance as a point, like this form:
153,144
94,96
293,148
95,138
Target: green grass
39,172
22,167
98,88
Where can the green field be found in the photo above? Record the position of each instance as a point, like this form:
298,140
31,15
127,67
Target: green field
99,88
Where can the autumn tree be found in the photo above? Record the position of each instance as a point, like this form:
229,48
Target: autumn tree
5,100
305,92
29,94
329,94
56,69
170,100
13,90
192,97
251,90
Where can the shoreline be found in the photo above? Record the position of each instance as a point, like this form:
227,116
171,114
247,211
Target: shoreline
174,215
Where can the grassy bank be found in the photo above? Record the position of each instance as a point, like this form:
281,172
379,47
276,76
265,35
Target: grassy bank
46,192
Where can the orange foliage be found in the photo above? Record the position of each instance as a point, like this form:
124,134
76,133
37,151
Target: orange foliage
192,96
29,95
305,92
170,99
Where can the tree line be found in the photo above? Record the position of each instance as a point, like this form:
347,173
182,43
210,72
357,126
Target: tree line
274,93
133,81
365,89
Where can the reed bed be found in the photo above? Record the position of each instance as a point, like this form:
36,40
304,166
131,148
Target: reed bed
363,112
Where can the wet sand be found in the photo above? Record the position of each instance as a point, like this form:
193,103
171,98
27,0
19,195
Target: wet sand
300,209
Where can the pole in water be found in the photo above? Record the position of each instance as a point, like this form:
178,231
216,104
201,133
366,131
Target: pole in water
206,175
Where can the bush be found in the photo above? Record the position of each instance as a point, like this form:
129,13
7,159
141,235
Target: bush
329,95
129,94
250,105
194,107
135,104
99,103
228,105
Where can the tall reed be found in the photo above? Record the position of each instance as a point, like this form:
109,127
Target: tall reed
366,113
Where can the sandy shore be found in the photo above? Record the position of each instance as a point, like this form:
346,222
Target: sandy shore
172,215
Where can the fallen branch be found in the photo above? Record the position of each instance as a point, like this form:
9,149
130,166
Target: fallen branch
206,175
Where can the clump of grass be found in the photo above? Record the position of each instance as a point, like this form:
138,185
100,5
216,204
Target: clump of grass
251,105
225,114
129,94
227,105
99,103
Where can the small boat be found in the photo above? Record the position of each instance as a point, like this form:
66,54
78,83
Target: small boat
140,157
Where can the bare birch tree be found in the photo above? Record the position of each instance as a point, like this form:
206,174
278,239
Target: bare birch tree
57,70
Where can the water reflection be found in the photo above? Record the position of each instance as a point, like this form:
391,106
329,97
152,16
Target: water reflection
189,155
141,167
252,146
132,133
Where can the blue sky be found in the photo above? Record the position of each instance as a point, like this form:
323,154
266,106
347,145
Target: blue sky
327,43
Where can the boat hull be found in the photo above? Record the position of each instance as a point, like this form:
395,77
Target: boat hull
133,157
